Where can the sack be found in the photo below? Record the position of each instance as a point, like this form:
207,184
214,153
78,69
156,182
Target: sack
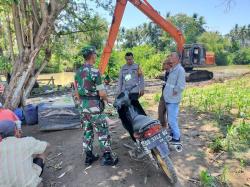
19,113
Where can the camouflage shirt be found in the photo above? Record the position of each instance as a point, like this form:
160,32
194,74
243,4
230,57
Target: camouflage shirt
88,81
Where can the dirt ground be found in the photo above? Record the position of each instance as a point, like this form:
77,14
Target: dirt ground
65,164
66,156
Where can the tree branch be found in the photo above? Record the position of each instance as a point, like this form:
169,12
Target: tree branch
44,9
48,23
17,25
21,17
80,31
10,39
33,78
34,12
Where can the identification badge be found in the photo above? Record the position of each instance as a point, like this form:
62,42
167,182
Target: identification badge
128,77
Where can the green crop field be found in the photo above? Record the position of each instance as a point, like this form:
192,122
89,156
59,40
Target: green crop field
228,103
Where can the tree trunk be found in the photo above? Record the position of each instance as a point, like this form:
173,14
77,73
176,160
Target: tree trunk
17,25
10,39
19,78
33,78
24,65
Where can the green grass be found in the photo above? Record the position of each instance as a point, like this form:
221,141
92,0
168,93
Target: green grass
224,177
238,138
206,179
144,103
229,105
216,145
221,98
157,97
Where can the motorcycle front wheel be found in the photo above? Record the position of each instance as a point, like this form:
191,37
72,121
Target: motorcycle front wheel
166,165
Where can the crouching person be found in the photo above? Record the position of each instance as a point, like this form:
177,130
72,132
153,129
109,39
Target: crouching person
8,115
21,159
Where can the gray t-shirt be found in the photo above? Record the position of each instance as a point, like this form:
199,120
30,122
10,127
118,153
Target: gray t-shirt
132,71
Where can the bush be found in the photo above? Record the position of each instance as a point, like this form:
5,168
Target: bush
157,97
206,179
238,137
149,59
216,145
221,58
5,64
230,58
242,56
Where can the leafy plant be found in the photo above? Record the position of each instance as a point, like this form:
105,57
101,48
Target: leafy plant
157,97
206,179
224,176
216,145
143,102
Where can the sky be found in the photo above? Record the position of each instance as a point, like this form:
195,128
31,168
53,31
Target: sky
217,17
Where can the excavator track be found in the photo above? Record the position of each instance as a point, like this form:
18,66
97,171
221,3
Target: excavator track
198,75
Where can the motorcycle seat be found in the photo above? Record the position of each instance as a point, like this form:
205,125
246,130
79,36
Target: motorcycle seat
141,121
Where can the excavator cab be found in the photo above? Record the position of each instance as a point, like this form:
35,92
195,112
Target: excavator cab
195,56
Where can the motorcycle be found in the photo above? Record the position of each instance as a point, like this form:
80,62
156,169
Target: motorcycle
151,138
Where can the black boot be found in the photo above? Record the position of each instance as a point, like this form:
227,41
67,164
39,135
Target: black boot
90,158
109,159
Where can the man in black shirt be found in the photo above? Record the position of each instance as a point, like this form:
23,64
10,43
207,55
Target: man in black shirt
162,106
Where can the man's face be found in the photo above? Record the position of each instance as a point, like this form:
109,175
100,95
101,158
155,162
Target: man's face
169,65
173,60
93,58
129,60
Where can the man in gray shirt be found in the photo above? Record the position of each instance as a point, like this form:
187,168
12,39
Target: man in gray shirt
130,75
174,87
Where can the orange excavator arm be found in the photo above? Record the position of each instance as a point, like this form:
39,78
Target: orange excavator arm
149,11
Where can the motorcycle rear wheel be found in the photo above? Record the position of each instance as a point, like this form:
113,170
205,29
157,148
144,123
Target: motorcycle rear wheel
166,165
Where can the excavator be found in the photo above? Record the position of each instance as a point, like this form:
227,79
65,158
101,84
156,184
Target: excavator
192,55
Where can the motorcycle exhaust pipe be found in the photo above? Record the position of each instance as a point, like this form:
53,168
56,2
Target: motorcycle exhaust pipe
177,148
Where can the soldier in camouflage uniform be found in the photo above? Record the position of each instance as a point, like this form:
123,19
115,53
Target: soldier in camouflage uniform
91,92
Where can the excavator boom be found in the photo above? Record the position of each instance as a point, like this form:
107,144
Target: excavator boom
149,11
193,55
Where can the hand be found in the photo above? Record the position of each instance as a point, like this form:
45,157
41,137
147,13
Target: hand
141,93
139,71
175,93
19,133
109,104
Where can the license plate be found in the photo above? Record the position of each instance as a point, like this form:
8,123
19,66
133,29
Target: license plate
156,139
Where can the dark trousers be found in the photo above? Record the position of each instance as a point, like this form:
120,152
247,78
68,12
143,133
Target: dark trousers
162,111
39,162
126,117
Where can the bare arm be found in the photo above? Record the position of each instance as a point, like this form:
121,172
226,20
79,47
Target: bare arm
103,95
43,155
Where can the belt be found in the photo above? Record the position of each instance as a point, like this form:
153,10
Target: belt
97,97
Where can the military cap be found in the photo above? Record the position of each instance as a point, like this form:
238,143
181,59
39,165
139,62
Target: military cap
88,50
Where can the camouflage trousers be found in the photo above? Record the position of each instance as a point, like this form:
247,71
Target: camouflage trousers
97,122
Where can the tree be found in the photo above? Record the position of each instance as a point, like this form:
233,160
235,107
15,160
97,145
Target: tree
242,56
191,27
240,36
42,31
152,34
218,44
33,22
